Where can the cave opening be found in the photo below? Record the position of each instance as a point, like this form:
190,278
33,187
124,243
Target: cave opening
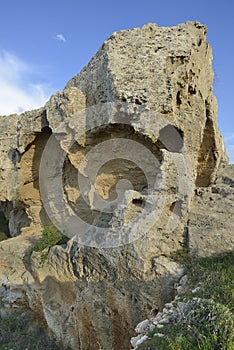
207,154
112,173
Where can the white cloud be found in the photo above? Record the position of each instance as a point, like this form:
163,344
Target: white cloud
229,137
17,92
60,37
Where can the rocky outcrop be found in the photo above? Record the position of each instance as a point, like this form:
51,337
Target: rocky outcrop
146,96
210,224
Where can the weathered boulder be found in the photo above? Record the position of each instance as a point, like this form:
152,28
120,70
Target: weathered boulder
167,69
152,87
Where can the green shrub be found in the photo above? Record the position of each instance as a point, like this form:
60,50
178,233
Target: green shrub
51,236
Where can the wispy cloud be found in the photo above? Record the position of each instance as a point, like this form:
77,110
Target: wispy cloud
229,137
60,37
230,151
18,93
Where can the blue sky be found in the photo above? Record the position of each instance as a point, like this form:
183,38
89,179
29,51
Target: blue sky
45,43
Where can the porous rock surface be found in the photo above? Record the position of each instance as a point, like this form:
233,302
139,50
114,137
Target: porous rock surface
92,297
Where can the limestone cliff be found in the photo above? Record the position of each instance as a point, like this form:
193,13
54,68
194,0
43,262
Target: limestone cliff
146,95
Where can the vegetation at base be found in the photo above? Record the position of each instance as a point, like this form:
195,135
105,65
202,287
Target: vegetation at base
209,325
214,275
51,236
21,333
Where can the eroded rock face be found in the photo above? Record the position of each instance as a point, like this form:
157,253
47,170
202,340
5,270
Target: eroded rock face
169,70
92,297
210,225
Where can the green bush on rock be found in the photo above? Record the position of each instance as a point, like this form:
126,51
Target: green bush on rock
51,236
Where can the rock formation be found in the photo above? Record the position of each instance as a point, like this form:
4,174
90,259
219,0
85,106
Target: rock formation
151,86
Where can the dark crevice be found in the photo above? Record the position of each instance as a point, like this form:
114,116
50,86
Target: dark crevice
186,238
192,90
199,42
14,156
178,59
138,102
139,202
178,99
208,113
206,157
4,226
